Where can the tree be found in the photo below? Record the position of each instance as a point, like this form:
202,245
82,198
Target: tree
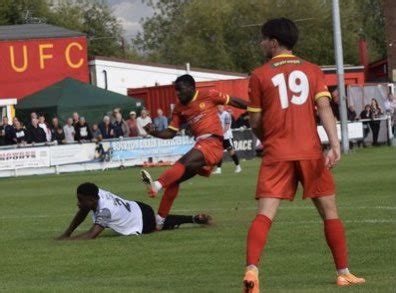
226,34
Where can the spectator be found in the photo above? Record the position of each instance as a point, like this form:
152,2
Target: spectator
76,118
334,103
242,121
390,109
57,133
9,132
44,125
96,134
2,132
106,128
160,122
113,115
69,131
121,128
376,112
352,116
14,120
36,134
142,121
132,124
83,132
20,133
364,115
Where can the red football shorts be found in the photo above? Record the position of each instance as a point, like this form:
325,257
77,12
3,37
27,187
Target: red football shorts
280,179
212,149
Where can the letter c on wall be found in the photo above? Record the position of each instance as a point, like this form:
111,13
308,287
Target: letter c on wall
67,55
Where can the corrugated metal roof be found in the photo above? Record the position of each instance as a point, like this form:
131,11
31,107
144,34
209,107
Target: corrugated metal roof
35,31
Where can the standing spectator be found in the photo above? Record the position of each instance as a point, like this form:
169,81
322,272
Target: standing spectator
83,132
121,128
106,128
376,112
334,103
36,134
142,121
76,118
114,114
160,122
132,124
69,131
352,116
365,114
57,133
96,134
20,133
44,125
2,132
9,132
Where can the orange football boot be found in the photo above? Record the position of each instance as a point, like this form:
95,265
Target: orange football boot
251,281
349,279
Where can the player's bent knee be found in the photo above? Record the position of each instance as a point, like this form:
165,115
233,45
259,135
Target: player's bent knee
268,207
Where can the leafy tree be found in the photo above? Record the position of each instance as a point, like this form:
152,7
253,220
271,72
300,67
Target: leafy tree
226,34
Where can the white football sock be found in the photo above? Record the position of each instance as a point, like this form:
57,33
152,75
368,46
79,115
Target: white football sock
157,186
159,221
343,271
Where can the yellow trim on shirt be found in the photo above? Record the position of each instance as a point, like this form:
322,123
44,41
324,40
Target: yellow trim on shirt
322,94
228,99
254,110
284,56
195,96
173,128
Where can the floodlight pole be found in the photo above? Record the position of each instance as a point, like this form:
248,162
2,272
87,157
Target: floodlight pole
340,76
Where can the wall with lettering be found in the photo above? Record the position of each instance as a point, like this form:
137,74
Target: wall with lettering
28,66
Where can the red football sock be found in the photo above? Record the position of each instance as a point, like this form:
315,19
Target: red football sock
167,200
171,175
335,237
257,237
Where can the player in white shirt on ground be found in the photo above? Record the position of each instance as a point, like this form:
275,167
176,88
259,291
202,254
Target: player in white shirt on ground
228,142
123,216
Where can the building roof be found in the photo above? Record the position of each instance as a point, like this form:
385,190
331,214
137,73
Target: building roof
35,31
180,67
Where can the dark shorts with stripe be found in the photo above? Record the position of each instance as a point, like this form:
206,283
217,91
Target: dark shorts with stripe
228,144
148,218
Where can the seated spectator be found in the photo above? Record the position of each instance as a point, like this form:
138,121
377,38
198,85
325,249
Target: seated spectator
121,128
160,122
83,132
96,134
44,125
36,134
69,131
132,124
142,121
9,132
352,116
20,133
242,121
106,128
57,133
76,118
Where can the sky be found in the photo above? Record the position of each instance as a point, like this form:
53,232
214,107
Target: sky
130,12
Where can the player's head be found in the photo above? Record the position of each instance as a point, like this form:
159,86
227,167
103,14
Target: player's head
278,34
185,88
220,108
87,196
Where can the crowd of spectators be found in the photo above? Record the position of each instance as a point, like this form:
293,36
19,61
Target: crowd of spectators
77,129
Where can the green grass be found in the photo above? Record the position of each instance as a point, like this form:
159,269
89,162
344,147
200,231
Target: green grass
34,210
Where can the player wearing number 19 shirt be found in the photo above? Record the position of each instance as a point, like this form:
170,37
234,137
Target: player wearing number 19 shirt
283,95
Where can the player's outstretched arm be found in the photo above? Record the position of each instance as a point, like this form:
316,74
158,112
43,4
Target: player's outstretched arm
256,124
91,234
328,121
164,134
77,220
237,103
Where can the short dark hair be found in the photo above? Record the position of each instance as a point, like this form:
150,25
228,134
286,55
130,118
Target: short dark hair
283,30
186,79
88,189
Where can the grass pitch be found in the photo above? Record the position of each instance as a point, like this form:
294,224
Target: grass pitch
34,210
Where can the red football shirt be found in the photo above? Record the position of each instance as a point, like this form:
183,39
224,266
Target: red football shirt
200,113
285,90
